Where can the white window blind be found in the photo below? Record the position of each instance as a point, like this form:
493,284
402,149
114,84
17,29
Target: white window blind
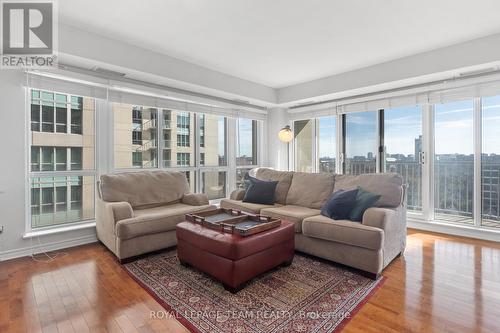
114,91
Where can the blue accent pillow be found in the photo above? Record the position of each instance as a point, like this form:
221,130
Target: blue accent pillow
260,191
364,200
340,204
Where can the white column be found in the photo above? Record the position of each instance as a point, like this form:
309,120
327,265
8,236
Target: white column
277,155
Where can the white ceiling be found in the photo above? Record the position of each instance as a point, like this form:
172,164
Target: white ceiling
285,42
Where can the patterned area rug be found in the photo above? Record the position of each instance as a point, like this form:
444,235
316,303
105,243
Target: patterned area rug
308,296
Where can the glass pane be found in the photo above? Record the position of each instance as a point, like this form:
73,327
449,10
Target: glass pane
61,118
35,158
454,162
84,143
240,177
303,145
135,136
47,117
56,193
35,117
61,159
247,142
76,158
214,184
361,143
327,129
490,158
403,144
47,158
212,140
48,96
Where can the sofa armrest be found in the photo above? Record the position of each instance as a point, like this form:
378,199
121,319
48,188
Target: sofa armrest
195,199
237,194
107,215
393,222
113,211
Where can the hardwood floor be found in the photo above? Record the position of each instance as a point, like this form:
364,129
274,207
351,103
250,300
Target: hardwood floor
441,284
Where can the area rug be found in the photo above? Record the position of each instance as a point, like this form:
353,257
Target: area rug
309,296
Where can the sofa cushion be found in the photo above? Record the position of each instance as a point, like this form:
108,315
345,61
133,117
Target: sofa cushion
310,189
145,188
155,220
343,231
291,213
245,206
388,185
340,204
260,191
284,179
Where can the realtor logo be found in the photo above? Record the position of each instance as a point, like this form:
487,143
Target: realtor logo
28,34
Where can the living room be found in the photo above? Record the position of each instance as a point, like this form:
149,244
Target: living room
250,166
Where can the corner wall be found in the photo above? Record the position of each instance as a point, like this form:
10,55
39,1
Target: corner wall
276,150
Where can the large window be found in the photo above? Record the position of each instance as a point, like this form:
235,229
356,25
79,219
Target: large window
62,167
361,142
454,162
403,148
214,184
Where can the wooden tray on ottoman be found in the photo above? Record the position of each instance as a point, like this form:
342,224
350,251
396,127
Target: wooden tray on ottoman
234,221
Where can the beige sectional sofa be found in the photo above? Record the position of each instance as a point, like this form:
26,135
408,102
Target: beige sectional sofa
369,245
137,212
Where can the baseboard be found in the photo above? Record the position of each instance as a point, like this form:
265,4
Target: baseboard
46,247
455,230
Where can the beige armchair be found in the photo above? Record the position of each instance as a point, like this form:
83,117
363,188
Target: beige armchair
137,212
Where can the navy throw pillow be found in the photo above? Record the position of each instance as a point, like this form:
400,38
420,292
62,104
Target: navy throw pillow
260,191
364,200
340,204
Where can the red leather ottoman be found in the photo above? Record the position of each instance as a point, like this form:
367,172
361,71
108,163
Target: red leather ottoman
233,259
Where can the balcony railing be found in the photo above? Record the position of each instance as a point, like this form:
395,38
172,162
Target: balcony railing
453,189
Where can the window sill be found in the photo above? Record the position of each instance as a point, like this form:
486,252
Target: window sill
58,230
454,229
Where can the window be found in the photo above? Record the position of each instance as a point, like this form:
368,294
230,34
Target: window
135,136
76,114
360,142
52,112
76,158
61,159
247,142
55,197
490,162
214,184
403,145
183,159
454,162
327,129
183,129
303,132
213,151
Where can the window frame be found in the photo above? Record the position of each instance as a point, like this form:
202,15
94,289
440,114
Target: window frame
57,173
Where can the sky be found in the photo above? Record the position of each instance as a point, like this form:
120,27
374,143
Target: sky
245,137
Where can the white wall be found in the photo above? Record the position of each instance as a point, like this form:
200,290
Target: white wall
13,119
